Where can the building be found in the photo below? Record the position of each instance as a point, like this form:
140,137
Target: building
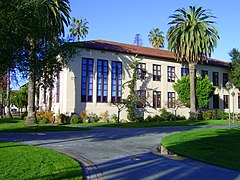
95,77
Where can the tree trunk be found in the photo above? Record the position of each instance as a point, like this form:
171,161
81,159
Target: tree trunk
193,108
31,117
1,102
8,108
50,99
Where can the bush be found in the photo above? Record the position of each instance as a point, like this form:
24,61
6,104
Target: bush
75,119
94,118
155,118
83,116
23,115
214,115
47,115
139,118
164,114
114,118
63,119
104,116
42,120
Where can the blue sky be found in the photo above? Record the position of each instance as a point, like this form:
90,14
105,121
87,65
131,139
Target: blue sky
121,20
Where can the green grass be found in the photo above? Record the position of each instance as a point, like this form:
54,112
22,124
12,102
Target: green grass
155,124
29,162
17,125
215,146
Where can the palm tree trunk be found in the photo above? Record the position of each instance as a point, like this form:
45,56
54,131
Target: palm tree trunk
31,117
8,109
1,102
193,108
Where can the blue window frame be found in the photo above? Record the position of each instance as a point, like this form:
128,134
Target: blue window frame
87,80
116,82
102,80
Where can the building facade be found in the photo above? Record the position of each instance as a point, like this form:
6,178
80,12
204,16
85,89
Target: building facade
95,80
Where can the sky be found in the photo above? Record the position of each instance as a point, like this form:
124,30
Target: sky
121,20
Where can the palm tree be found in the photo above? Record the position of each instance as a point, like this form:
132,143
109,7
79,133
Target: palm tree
79,29
54,14
192,37
156,38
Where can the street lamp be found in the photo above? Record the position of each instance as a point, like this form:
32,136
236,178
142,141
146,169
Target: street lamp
229,87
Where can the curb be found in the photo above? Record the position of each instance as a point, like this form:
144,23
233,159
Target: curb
90,170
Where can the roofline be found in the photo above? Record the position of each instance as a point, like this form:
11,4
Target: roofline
85,44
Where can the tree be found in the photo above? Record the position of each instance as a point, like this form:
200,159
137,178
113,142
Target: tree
45,26
235,67
79,29
192,37
130,102
20,98
156,38
138,40
204,90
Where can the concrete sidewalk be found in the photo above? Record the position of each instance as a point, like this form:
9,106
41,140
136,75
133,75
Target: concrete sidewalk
119,153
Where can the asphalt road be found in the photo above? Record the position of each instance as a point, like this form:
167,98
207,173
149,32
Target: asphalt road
125,153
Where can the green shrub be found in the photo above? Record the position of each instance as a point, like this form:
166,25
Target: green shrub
42,120
23,115
139,118
94,118
155,118
114,118
164,114
214,115
75,119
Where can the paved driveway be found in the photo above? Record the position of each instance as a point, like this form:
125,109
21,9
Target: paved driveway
125,153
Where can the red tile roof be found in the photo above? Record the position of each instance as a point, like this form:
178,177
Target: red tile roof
140,50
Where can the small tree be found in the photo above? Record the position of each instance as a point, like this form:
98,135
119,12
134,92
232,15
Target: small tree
130,102
204,90
235,67
138,40
20,98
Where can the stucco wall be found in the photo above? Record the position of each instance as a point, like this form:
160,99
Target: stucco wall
70,83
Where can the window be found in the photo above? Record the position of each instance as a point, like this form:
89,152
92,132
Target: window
141,71
58,87
184,71
215,101
215,78
156,72
171,74
102,80
225,101
225,79
171,99
204,73
116,82
141,100
156,99
87,80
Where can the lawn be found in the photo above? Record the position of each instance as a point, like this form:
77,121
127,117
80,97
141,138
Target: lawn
155,124
29,162
17,125
215,146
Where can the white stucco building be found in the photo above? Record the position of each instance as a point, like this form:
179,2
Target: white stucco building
96,75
